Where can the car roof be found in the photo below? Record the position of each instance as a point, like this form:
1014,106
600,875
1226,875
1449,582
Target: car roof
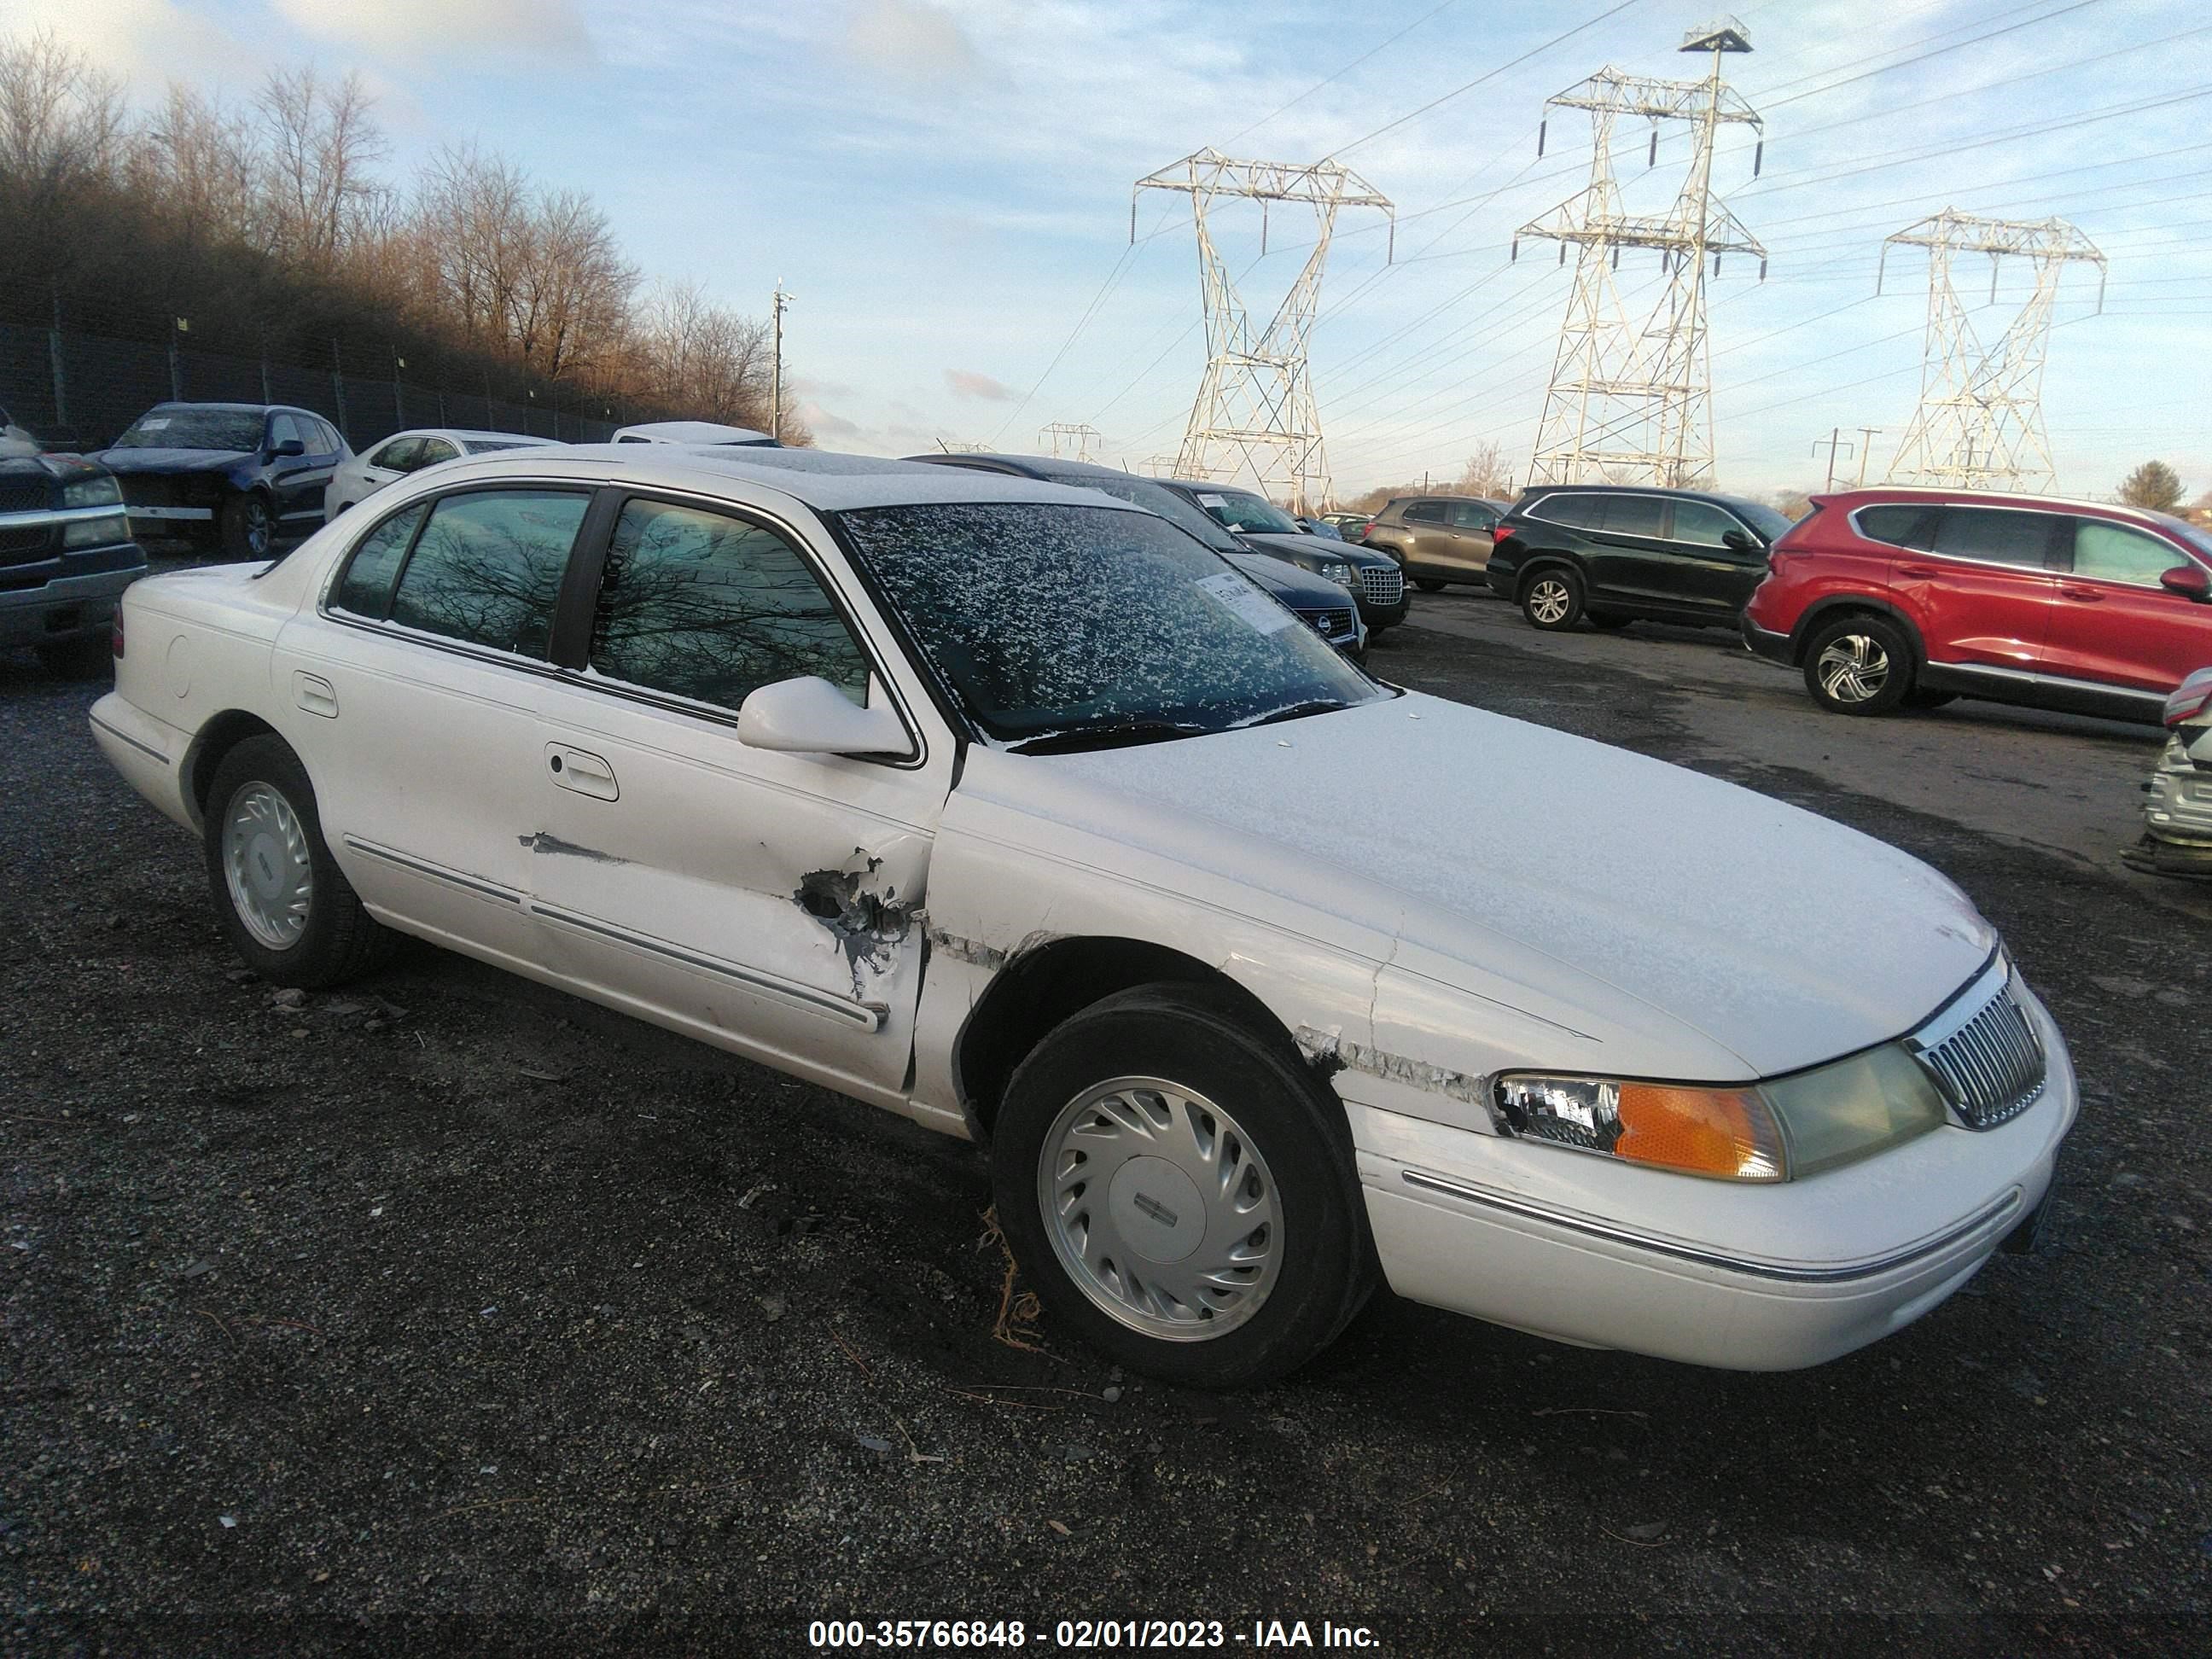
1440,495
235,409
1953,496
1026,467
696,432
466,434
826,480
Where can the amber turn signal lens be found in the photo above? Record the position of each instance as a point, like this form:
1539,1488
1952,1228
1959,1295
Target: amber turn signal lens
1715,1132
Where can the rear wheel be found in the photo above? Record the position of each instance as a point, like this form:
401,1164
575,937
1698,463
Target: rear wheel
1551,599
1859,664
288,911
248,530
1179,1191
1429,584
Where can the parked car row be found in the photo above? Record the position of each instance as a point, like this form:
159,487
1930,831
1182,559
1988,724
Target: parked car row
1011,807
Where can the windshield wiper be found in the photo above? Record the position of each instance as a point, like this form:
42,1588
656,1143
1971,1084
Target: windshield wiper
1107,736
1298,711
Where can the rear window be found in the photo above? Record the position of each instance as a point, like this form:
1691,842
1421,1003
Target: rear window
1634,515
1425,512
1582,512
1994,535
1900,524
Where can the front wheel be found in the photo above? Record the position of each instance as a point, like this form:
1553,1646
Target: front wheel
288,909
1179,1191
1428,584
1553,600
248,530
1859,665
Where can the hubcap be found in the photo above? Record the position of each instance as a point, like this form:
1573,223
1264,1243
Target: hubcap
1548,601
257,526
266,863
1160,1208
1853,668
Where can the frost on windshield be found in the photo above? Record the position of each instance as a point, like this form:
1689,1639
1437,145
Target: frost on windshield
1048,619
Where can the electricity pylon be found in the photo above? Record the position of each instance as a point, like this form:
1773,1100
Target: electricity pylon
1979,424
1069,440
1630,402
1255,405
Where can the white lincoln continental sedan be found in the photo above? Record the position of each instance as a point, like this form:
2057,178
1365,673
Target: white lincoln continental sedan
1013,808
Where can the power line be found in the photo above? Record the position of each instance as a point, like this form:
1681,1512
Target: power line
1346,70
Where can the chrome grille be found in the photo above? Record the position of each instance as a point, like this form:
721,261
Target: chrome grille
1330,624
1382,584
1984,1054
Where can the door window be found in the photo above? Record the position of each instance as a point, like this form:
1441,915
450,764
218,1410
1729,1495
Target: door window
365,590
1472,515
1425,512
709,607
1902,524
322,436
2104,551
487,567
1634,515
400,455
283,430
434,450
1994,535
1582,512
1702,524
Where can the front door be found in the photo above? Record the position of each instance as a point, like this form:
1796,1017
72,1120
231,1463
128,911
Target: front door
412,691
1629,558
297,481
2112,623
1471,523
766,901
1708,573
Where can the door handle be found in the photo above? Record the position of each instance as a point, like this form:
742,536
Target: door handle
2086,595
314,693
582,771
1916,571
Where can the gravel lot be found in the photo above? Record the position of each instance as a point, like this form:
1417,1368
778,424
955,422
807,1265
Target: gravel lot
447,1310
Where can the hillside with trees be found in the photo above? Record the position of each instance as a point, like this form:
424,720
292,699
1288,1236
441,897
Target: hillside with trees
276,227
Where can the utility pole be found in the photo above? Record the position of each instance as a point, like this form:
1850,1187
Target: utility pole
1979,424
775,381
180,327
1869,433
1832,443
1255,405
1630,402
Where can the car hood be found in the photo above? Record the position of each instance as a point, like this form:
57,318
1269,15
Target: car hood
123,462
1295,587
1485,846
1312,546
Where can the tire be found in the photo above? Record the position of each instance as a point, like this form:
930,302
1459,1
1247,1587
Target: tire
1429,584
1859,664
289,912
1551,599
247,528
1182,1072
1918,698
1597,621
89,656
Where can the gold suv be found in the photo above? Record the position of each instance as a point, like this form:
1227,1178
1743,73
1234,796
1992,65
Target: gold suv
1436,538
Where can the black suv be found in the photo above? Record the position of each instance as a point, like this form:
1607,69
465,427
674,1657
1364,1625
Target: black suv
1374,577
65,554
1619,553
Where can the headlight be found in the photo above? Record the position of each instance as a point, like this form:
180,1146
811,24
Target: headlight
96,532
1337,571
100,490
1777,1130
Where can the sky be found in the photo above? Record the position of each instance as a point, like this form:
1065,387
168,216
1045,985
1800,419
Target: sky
945,187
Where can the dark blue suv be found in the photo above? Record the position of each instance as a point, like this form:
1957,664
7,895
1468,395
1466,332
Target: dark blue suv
234,474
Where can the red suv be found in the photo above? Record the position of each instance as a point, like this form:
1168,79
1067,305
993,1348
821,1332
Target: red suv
1914,596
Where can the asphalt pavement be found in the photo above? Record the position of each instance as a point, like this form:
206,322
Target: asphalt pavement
447,1310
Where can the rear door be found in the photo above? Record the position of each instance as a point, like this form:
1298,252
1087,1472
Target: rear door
2112,622
1471,523
1629,558
766,901
1426,536
1979,588
1707,573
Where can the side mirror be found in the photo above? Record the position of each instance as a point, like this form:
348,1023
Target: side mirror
2187,580
810,716
290,447
1740,541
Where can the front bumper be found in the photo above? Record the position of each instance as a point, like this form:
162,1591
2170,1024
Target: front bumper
75,601
1781,1276
1763,642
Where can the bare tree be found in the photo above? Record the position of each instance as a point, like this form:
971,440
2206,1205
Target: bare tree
61,131
318,145
705,360
1486,473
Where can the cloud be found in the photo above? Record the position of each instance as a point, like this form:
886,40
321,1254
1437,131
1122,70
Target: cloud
426,31
148,42
912,40
966,383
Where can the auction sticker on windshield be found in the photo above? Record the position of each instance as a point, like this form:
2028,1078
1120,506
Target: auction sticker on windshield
1246,602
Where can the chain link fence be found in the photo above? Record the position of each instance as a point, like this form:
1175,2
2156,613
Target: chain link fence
80,389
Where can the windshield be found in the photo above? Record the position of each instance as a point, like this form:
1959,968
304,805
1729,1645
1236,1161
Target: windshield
1240,509
1153,498
194,429
1049,621
1766,520
2193,534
